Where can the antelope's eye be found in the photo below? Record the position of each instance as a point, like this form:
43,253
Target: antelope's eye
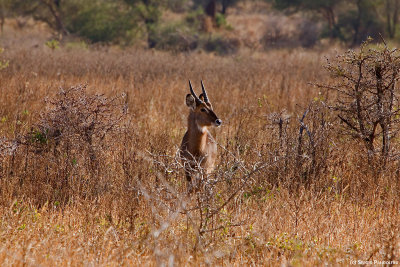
203,110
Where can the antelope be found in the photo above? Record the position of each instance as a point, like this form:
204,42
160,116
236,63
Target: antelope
198,148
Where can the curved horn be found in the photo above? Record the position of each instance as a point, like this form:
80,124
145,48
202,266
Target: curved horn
193,93
204,92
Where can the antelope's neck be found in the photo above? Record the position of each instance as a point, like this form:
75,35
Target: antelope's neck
197,138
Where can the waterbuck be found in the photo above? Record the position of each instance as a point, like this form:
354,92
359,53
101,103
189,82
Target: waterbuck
198,148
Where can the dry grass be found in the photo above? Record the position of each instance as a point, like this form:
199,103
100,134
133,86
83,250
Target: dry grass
56,209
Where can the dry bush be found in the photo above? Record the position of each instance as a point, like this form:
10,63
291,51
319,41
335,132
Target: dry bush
288,188
302,145
365,83
66,152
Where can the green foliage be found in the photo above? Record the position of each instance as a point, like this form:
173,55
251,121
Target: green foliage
53,44
178,6
100,21
149,13
39,137
351,22
194,17
95,20
77,45
220,20
360,22
4,64
123,21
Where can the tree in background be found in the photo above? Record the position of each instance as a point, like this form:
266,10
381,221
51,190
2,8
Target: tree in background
100,21
325,7
392,16
210,7
359,21
119,21
4,7
350,21
95,20
227,3
53,7
48,11
123,21
149,13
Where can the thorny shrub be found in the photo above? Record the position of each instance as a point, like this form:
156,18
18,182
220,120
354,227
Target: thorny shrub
367,96
302,144
67,149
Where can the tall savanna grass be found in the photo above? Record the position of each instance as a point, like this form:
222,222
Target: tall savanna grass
89,173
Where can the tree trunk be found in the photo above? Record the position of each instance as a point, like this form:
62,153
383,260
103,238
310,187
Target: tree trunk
329,15
383,112
53,7
2,16
356,25
2,20
395,16
392,9
389,19
210,8
225,4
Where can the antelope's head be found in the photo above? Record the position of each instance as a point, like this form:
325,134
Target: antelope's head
201,110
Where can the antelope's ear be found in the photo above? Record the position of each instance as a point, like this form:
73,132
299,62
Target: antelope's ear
190,102
201,96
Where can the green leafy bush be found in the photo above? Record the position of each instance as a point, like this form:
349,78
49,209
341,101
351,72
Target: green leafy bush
220,20
52,44
194,18
100,21
76,45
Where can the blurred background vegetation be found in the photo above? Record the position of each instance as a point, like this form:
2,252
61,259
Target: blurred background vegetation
222,26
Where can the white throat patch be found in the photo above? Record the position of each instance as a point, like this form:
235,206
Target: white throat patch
203,129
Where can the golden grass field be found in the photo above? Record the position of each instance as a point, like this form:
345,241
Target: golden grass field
270,204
